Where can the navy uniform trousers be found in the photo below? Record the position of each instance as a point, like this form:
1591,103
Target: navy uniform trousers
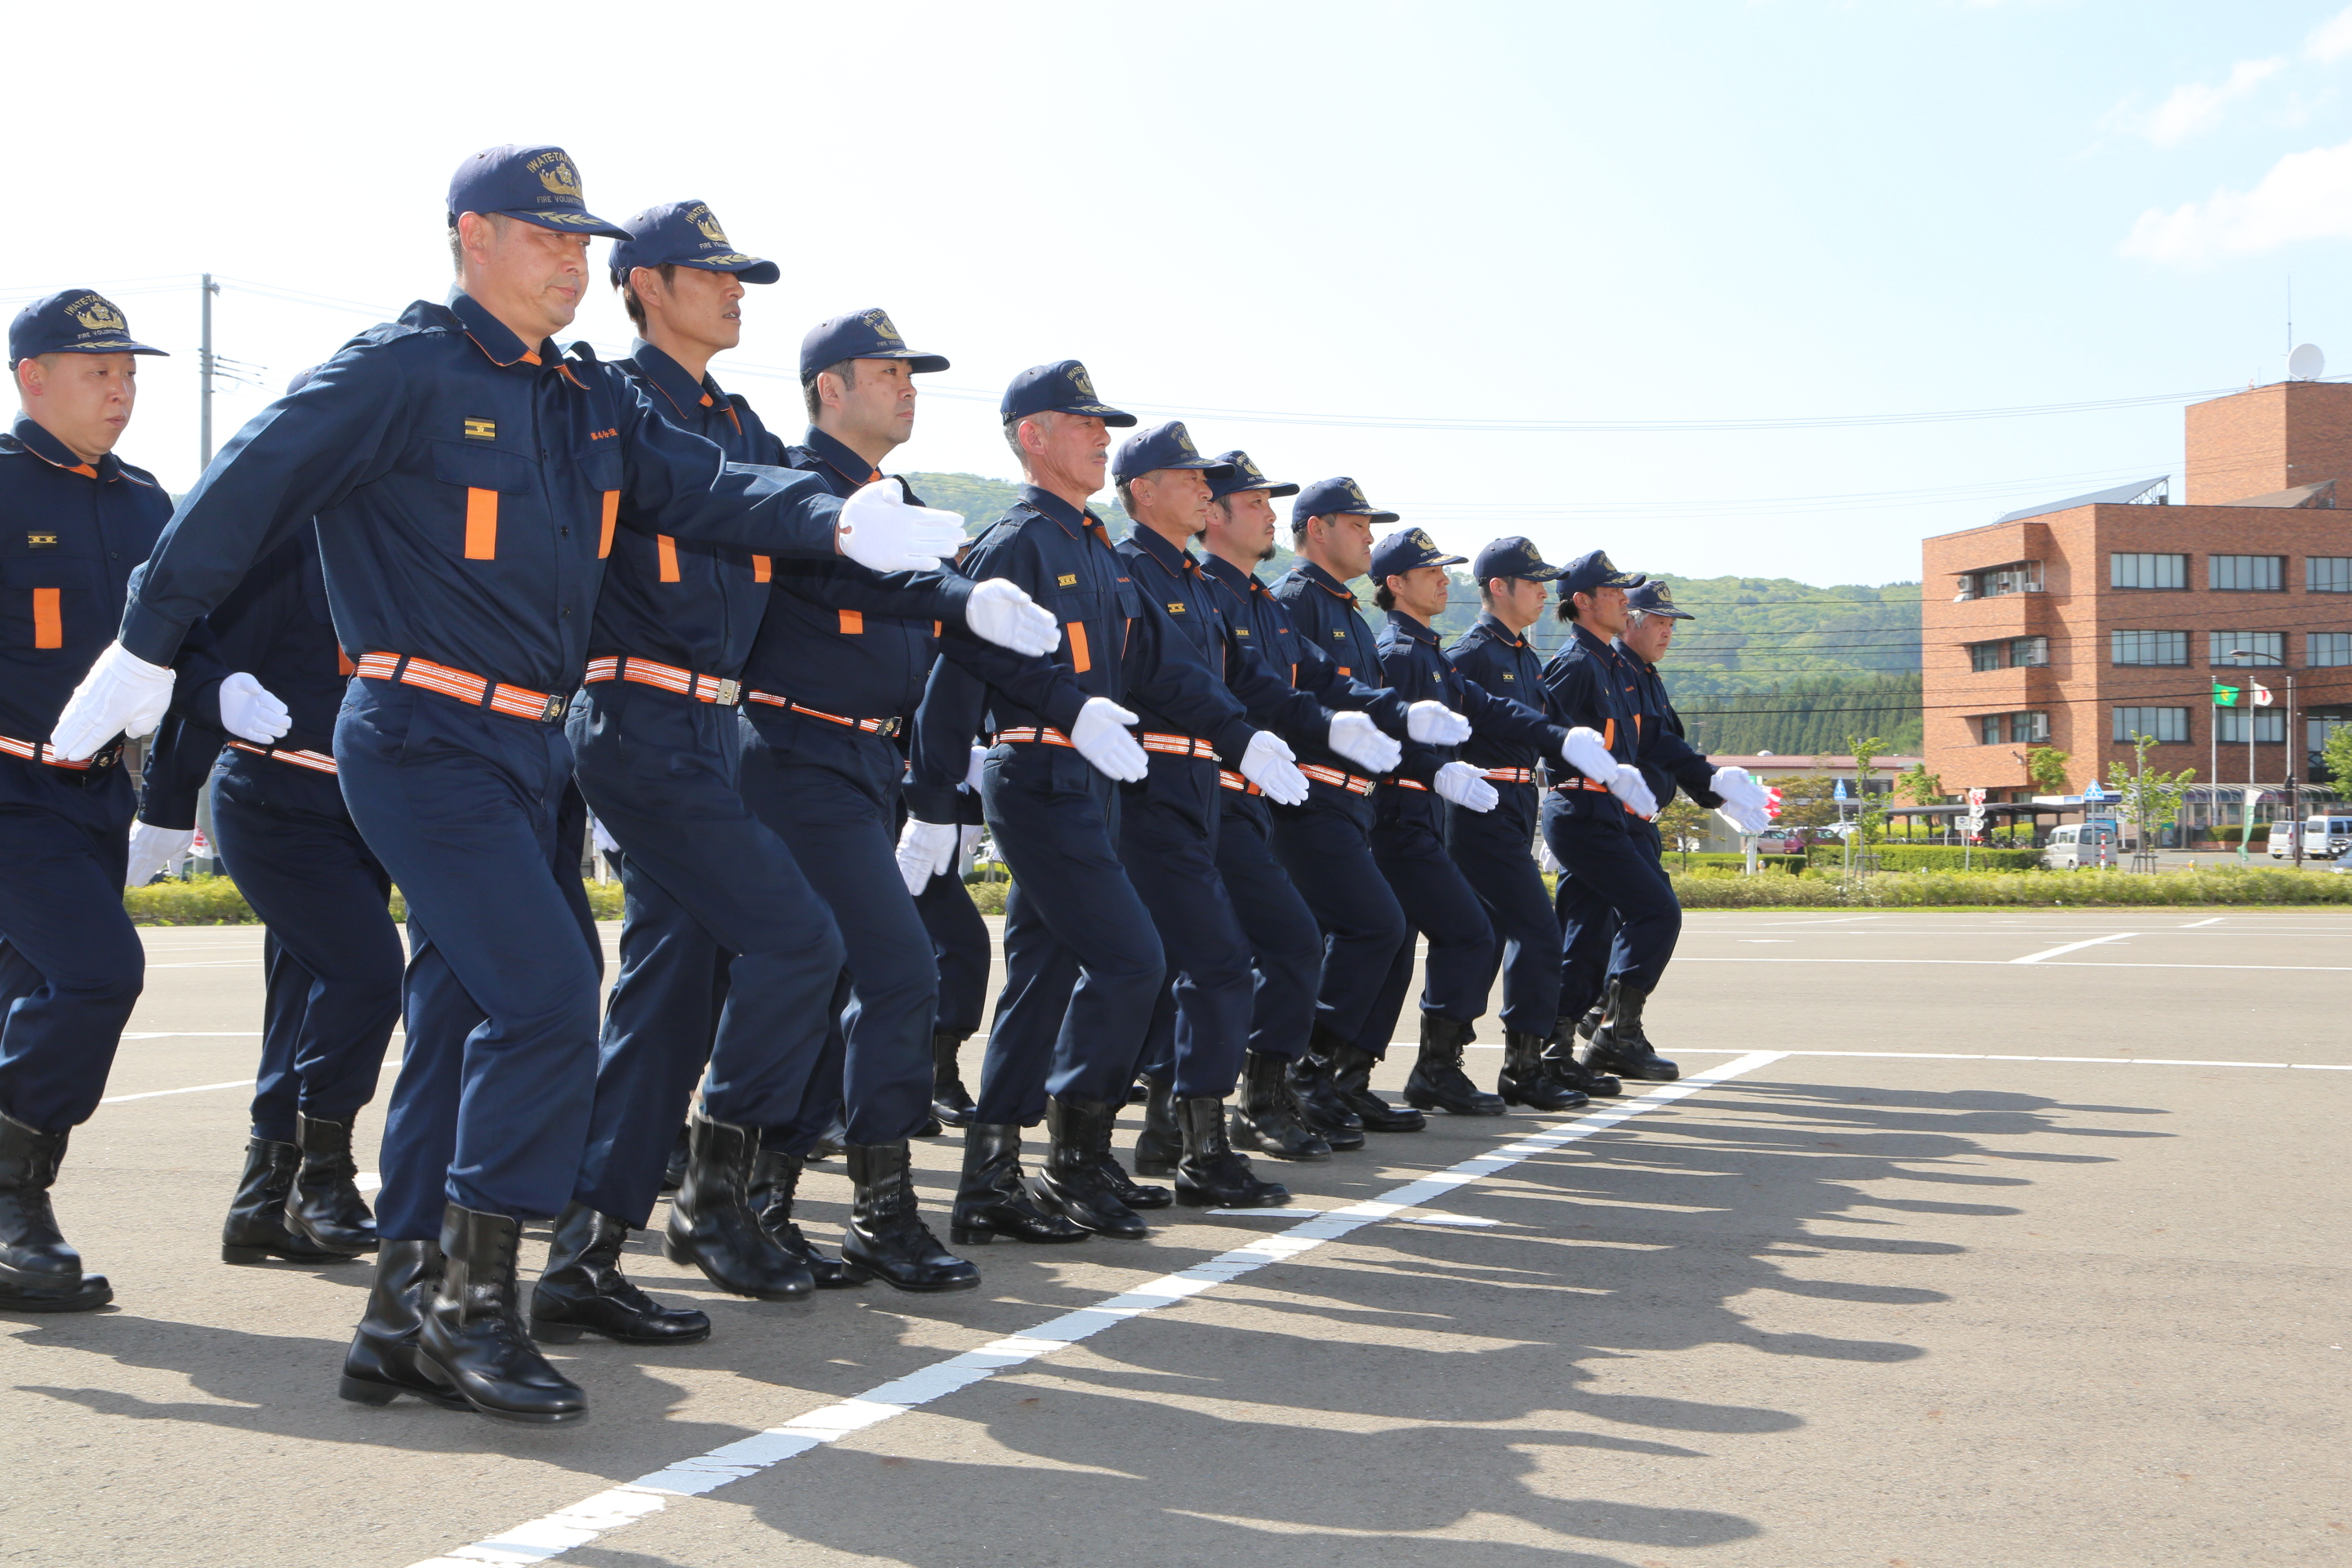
1168,831
960,950
1438,903
331,956
1326,846
832,798
714,895
71,965
1285,946
1618,913
1494,850
1083,962
465,807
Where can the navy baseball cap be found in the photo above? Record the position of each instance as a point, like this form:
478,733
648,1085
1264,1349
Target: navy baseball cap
685,233
1244,477
1653,597
1168,445
1062,387
72,321
1593,569
536,184
861,334
1405,550
1514,557
1327,497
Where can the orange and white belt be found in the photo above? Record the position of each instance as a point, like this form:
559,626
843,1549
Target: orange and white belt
871,726
1409,784
1235,782
1510,776
42,752
475,691
1175,745
317,761
1355,784
668,677
1590,788
1032,733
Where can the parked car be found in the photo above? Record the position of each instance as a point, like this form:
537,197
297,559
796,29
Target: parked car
2079,847
2324,839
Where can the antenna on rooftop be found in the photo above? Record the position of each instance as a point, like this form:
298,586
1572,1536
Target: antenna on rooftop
2306,363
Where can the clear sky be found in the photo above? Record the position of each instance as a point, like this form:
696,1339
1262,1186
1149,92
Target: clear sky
1384,224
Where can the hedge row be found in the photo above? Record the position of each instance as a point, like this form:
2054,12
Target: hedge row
1938,857
1899,889
214,901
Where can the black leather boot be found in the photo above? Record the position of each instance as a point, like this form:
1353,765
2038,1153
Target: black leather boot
1437,1082
1072,1178
1135,1194
775,1185
1210,1175
1161,1145
1523,1079
1560,1061
256,1228
584,1291
325,1204
474,1343
950,1103
1268,1119
1318,1097
886,1236
712,1224
1592,1019
1351,1081
39,1272
381,1363
674,1171
1620,1047
993,1200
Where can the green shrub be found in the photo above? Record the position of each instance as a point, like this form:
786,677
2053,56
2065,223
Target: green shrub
1676,859
1948,858
1899,889
204,901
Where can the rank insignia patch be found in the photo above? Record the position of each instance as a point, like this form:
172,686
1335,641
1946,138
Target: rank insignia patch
481,430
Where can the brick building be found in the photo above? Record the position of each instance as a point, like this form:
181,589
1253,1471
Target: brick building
2073,625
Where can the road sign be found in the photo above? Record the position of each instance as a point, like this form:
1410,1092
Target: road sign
2092,793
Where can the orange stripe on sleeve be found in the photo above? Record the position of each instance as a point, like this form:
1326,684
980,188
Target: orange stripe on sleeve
612,516
1079,661
481,525
761,568
666,557
48,623
853,623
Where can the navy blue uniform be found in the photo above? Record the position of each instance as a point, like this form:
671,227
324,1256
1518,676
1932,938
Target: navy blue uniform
1170,824
1618,915
1494,847
467,488
331,955
1409,839
70,963
1083,963
1667,761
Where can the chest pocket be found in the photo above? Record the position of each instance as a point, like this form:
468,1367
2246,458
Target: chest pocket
486,473
602,469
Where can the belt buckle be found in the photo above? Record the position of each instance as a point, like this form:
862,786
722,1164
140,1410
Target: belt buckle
553,709
730,692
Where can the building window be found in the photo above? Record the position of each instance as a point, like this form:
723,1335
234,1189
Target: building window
2029,653
2327,573
2148,570
2269,724
2013,727
2316,732
2018,577
2329,648
2164,724
2269,649
1991,727
1984,655
2150,648
2247,574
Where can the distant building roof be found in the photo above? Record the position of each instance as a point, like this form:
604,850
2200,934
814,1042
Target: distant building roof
2320,497
2122,495
1801,764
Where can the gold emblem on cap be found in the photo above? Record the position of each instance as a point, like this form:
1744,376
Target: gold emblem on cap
1079,379
879,320
1183,440
96,314
702,219
1356,493
555,171
1421,537
1663,594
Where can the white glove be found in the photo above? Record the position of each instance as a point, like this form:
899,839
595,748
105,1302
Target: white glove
601,837
974,768
1465,786
155,849
247,710
1586,752
1634,791
1100,736
925,849
1271,766
879,529
1546,861
999,612
1748,821
121,695
1738,788
968,844
1355,737
1435,724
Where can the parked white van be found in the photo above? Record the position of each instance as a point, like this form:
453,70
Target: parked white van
2080,848
2324,839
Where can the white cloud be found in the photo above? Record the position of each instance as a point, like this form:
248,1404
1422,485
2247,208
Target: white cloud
2332,40
2306,195
2194,106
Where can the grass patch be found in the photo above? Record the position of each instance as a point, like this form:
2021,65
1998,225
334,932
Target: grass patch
214,901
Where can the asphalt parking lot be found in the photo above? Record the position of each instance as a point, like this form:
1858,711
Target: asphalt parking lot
1969,1238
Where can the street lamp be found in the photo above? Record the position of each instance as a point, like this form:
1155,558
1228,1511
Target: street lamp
2293,797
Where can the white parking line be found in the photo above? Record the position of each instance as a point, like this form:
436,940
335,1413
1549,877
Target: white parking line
2074,947
2193,925
584,1521
192,1089
1981,1057
2005,963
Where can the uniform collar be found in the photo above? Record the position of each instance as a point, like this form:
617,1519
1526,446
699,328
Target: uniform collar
1641,666
491,336
835,455
1230,575
1175,559
1324,580
1591,644
1412,627
668,377
1046,504
36,439
1499,631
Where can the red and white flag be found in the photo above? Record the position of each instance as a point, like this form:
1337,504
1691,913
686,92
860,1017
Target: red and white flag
2262,693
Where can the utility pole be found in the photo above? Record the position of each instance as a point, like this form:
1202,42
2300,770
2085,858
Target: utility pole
204,380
